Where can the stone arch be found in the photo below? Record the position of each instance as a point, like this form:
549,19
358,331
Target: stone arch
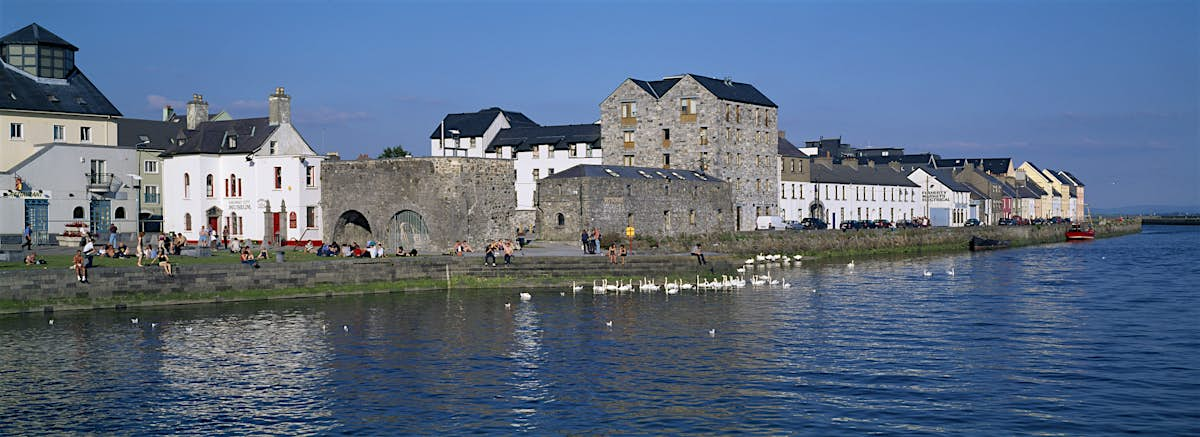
407,228
352,226
816,209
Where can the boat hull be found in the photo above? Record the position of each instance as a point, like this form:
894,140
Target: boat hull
1081,235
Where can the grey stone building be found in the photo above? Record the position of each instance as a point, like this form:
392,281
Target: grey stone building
656,202
422,203
720,128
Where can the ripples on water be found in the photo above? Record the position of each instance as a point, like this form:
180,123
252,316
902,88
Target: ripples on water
1087,338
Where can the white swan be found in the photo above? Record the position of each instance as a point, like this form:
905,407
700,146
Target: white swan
950,271
850,265
526,296
133,320
576,288
712,332
927,273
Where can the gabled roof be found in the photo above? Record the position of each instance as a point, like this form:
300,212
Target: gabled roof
786,148
211,137
1054,176
560,137
723,89
148,134
1073,178
946,177
1033,189
73,95
36,34
474,124
637,173
828,173
1008,190
991,165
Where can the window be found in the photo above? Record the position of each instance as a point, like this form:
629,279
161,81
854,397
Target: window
537,152
278,178
85,134
208,186
691,216
574,150
666,135
536,173
628,109
150,166
187,185
687,106
728,108
271,149
703,161
550,172
472,142
60,132
627,160
232,142
310,176
187,222
77,212
738,111
560,219
628,138
292,220
16,131
666,160
703,136
119,213
310,217
150,194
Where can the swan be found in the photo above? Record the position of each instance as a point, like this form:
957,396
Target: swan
576,288
797,257
526,296
507,305
153,325
51,322
785,284
712,332
741,270
346,328
562,293
133,320
950,271
598,288
627,287
750,261
850,265
189,328
927,273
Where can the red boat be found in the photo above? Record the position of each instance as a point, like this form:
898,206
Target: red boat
1077,232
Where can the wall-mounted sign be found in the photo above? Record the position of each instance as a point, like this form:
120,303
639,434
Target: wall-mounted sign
934,196
238,204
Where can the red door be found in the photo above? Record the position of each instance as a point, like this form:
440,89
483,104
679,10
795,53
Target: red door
275,226
212,223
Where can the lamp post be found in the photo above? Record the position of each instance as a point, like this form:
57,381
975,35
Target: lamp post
139,198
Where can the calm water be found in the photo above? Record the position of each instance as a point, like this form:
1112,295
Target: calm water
1083,338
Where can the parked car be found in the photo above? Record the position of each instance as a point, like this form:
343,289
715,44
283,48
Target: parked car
906,223
766,222
1004,222
793,225
850,224
971,222
1039,221
883,224
814,224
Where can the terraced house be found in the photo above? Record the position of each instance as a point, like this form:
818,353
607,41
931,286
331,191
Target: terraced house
722,128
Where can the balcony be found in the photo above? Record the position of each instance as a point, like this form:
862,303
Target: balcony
628,121
629,144
687,118
100,182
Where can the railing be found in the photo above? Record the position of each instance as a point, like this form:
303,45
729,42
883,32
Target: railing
151,198
99,181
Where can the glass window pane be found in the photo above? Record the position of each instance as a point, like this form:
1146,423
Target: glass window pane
58,63
45,51
31,50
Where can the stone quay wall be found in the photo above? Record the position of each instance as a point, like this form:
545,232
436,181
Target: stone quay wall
455,198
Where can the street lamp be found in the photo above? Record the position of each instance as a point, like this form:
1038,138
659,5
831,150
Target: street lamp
139,198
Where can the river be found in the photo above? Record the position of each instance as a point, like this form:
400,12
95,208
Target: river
1075,338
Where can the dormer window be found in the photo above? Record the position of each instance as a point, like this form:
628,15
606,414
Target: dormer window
232,142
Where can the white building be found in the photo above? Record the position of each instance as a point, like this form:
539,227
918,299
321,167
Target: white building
256,177
836,192
942,199
536,151
60,163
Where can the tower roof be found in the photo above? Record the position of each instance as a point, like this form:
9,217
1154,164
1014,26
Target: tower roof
36,34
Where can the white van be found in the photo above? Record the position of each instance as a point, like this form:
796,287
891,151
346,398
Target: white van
767,222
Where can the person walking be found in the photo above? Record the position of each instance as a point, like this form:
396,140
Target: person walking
28,233
89,251
699,254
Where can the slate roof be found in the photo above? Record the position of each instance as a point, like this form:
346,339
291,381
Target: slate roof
620,171
786,148
36,34
1074,179
946,177
561,137
474,124
209,137
724,90
133,132
825,173
1033,189
914,159
1008,190
74,95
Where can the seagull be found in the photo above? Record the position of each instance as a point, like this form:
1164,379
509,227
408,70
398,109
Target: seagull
608,323
323,328
526,296
133,320
850,265
712,332
814,290
51,322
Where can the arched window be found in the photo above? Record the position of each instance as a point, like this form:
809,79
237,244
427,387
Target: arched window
208,186
187,221
187,185
561,219
292,220
233,186
119,213
77,213
233,220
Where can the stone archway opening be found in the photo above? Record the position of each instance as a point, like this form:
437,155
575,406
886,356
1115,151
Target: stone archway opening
407,229
352,226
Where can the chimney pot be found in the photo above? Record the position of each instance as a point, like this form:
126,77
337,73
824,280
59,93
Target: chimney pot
197,111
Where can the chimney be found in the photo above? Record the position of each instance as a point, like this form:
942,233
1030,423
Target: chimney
197,111
850,162
895,165
280,107
168,113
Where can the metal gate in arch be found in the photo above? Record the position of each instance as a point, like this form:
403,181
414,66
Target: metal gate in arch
407,229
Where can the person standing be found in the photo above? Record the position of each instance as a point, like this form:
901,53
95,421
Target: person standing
585,241
141,250
225,237
596,237
112,235
28,244
80,268
89,251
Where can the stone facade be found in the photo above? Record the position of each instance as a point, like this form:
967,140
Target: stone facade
730,140
587,197
422,203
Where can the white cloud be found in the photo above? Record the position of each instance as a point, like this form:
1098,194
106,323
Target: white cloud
155,101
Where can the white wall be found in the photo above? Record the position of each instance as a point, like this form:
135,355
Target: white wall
39,129
61,173
559,160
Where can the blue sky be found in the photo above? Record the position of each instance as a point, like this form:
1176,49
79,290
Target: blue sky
1106,90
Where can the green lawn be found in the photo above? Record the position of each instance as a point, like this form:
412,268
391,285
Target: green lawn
219,257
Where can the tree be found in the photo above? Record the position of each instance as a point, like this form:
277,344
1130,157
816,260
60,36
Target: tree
394,152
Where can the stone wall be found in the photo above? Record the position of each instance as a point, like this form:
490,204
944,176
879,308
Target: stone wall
390,200
743,152
654,207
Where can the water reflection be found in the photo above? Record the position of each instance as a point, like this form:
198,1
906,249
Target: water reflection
1040,339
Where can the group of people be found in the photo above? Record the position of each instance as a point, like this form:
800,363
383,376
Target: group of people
374,249
506,247
590,241
615,253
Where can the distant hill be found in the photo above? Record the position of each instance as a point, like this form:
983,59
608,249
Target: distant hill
1149,210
